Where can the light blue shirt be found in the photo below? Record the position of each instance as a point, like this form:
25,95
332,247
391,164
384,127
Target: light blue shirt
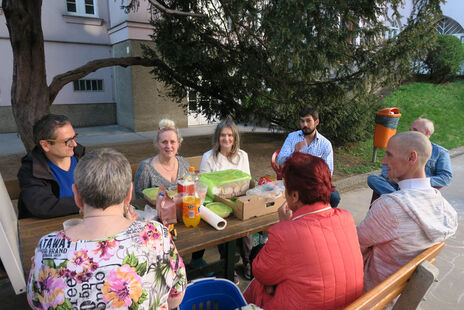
438,168
320,147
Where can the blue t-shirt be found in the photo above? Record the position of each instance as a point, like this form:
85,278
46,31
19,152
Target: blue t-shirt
64,178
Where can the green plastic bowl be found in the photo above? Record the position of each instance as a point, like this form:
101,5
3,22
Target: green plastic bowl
220,209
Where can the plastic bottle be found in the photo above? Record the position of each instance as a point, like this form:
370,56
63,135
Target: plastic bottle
191,210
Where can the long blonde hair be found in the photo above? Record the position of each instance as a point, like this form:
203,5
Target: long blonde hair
227,123
165,125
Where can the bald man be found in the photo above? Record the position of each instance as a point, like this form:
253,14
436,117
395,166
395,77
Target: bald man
402,224
438,167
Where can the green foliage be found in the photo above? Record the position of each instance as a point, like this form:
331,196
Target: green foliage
443,104
261,60
445,58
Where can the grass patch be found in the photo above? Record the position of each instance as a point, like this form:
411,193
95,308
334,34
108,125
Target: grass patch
443,104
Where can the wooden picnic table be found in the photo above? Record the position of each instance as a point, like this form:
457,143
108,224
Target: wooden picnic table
189,240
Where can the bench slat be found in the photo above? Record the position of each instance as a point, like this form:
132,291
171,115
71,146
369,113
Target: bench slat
390,288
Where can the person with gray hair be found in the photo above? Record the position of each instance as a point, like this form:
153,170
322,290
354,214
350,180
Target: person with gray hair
166,167
438,167
46,172
108,259
402,224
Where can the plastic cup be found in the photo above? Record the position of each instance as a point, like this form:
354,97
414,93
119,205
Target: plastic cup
179,206
71,222
202,189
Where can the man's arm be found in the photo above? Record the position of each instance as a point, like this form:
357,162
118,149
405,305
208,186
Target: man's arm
37,196
379,224
286,150
327,156
443,172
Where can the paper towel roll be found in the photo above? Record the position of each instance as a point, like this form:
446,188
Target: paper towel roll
212,218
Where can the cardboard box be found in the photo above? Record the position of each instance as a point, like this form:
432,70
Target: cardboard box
246,207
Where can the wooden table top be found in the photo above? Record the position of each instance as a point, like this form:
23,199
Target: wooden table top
188,240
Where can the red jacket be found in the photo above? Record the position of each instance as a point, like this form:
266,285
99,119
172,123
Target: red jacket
313,259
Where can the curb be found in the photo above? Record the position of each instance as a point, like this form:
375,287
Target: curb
349,183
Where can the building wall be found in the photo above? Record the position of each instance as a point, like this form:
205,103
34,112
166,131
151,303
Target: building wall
141,100
70,42
130,96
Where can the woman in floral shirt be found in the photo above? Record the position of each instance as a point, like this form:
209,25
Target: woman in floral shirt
109,261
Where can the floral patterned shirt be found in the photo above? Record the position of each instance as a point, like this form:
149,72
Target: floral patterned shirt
136,269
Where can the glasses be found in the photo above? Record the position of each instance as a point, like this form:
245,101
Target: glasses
67,142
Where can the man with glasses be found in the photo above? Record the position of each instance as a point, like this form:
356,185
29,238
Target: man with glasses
46,173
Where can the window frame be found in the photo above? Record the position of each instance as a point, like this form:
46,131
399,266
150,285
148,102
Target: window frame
84,83
80,8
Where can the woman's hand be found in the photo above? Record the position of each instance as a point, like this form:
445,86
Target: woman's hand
270,289
285,213
129,212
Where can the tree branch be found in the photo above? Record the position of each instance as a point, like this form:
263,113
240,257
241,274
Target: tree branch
61,80
164,9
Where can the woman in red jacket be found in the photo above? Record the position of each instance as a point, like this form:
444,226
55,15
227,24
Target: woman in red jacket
312,259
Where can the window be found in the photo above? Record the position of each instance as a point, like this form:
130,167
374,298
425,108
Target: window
88,85
393,31
82,7
448,25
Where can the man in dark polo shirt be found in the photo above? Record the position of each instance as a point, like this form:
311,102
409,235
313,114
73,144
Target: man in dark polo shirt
46,173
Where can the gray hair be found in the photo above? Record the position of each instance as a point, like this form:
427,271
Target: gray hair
428,125
103,178
45,128
165,125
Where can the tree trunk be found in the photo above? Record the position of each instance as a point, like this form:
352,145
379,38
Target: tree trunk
29,91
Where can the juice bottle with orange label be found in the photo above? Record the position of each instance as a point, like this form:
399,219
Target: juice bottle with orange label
191,210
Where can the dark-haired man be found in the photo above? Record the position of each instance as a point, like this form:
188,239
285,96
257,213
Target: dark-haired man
309,141
46,173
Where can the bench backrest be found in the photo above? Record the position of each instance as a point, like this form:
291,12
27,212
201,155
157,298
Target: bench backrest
385,292
12,186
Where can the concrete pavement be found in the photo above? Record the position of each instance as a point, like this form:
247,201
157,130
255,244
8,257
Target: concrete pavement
448,292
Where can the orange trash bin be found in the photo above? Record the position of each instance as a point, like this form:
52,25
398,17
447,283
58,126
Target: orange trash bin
386,122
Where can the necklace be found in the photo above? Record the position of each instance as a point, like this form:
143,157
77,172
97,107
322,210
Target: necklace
166,169
86,217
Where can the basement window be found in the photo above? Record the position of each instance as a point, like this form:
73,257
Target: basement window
88,85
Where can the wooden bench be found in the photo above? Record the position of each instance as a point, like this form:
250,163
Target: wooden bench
12,186
412,281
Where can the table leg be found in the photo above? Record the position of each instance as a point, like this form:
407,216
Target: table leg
230,260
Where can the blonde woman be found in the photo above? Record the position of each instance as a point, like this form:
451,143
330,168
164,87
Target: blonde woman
166,167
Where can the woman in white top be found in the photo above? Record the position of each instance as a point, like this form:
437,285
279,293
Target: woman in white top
226,154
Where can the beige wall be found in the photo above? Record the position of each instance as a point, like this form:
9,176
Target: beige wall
141,100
